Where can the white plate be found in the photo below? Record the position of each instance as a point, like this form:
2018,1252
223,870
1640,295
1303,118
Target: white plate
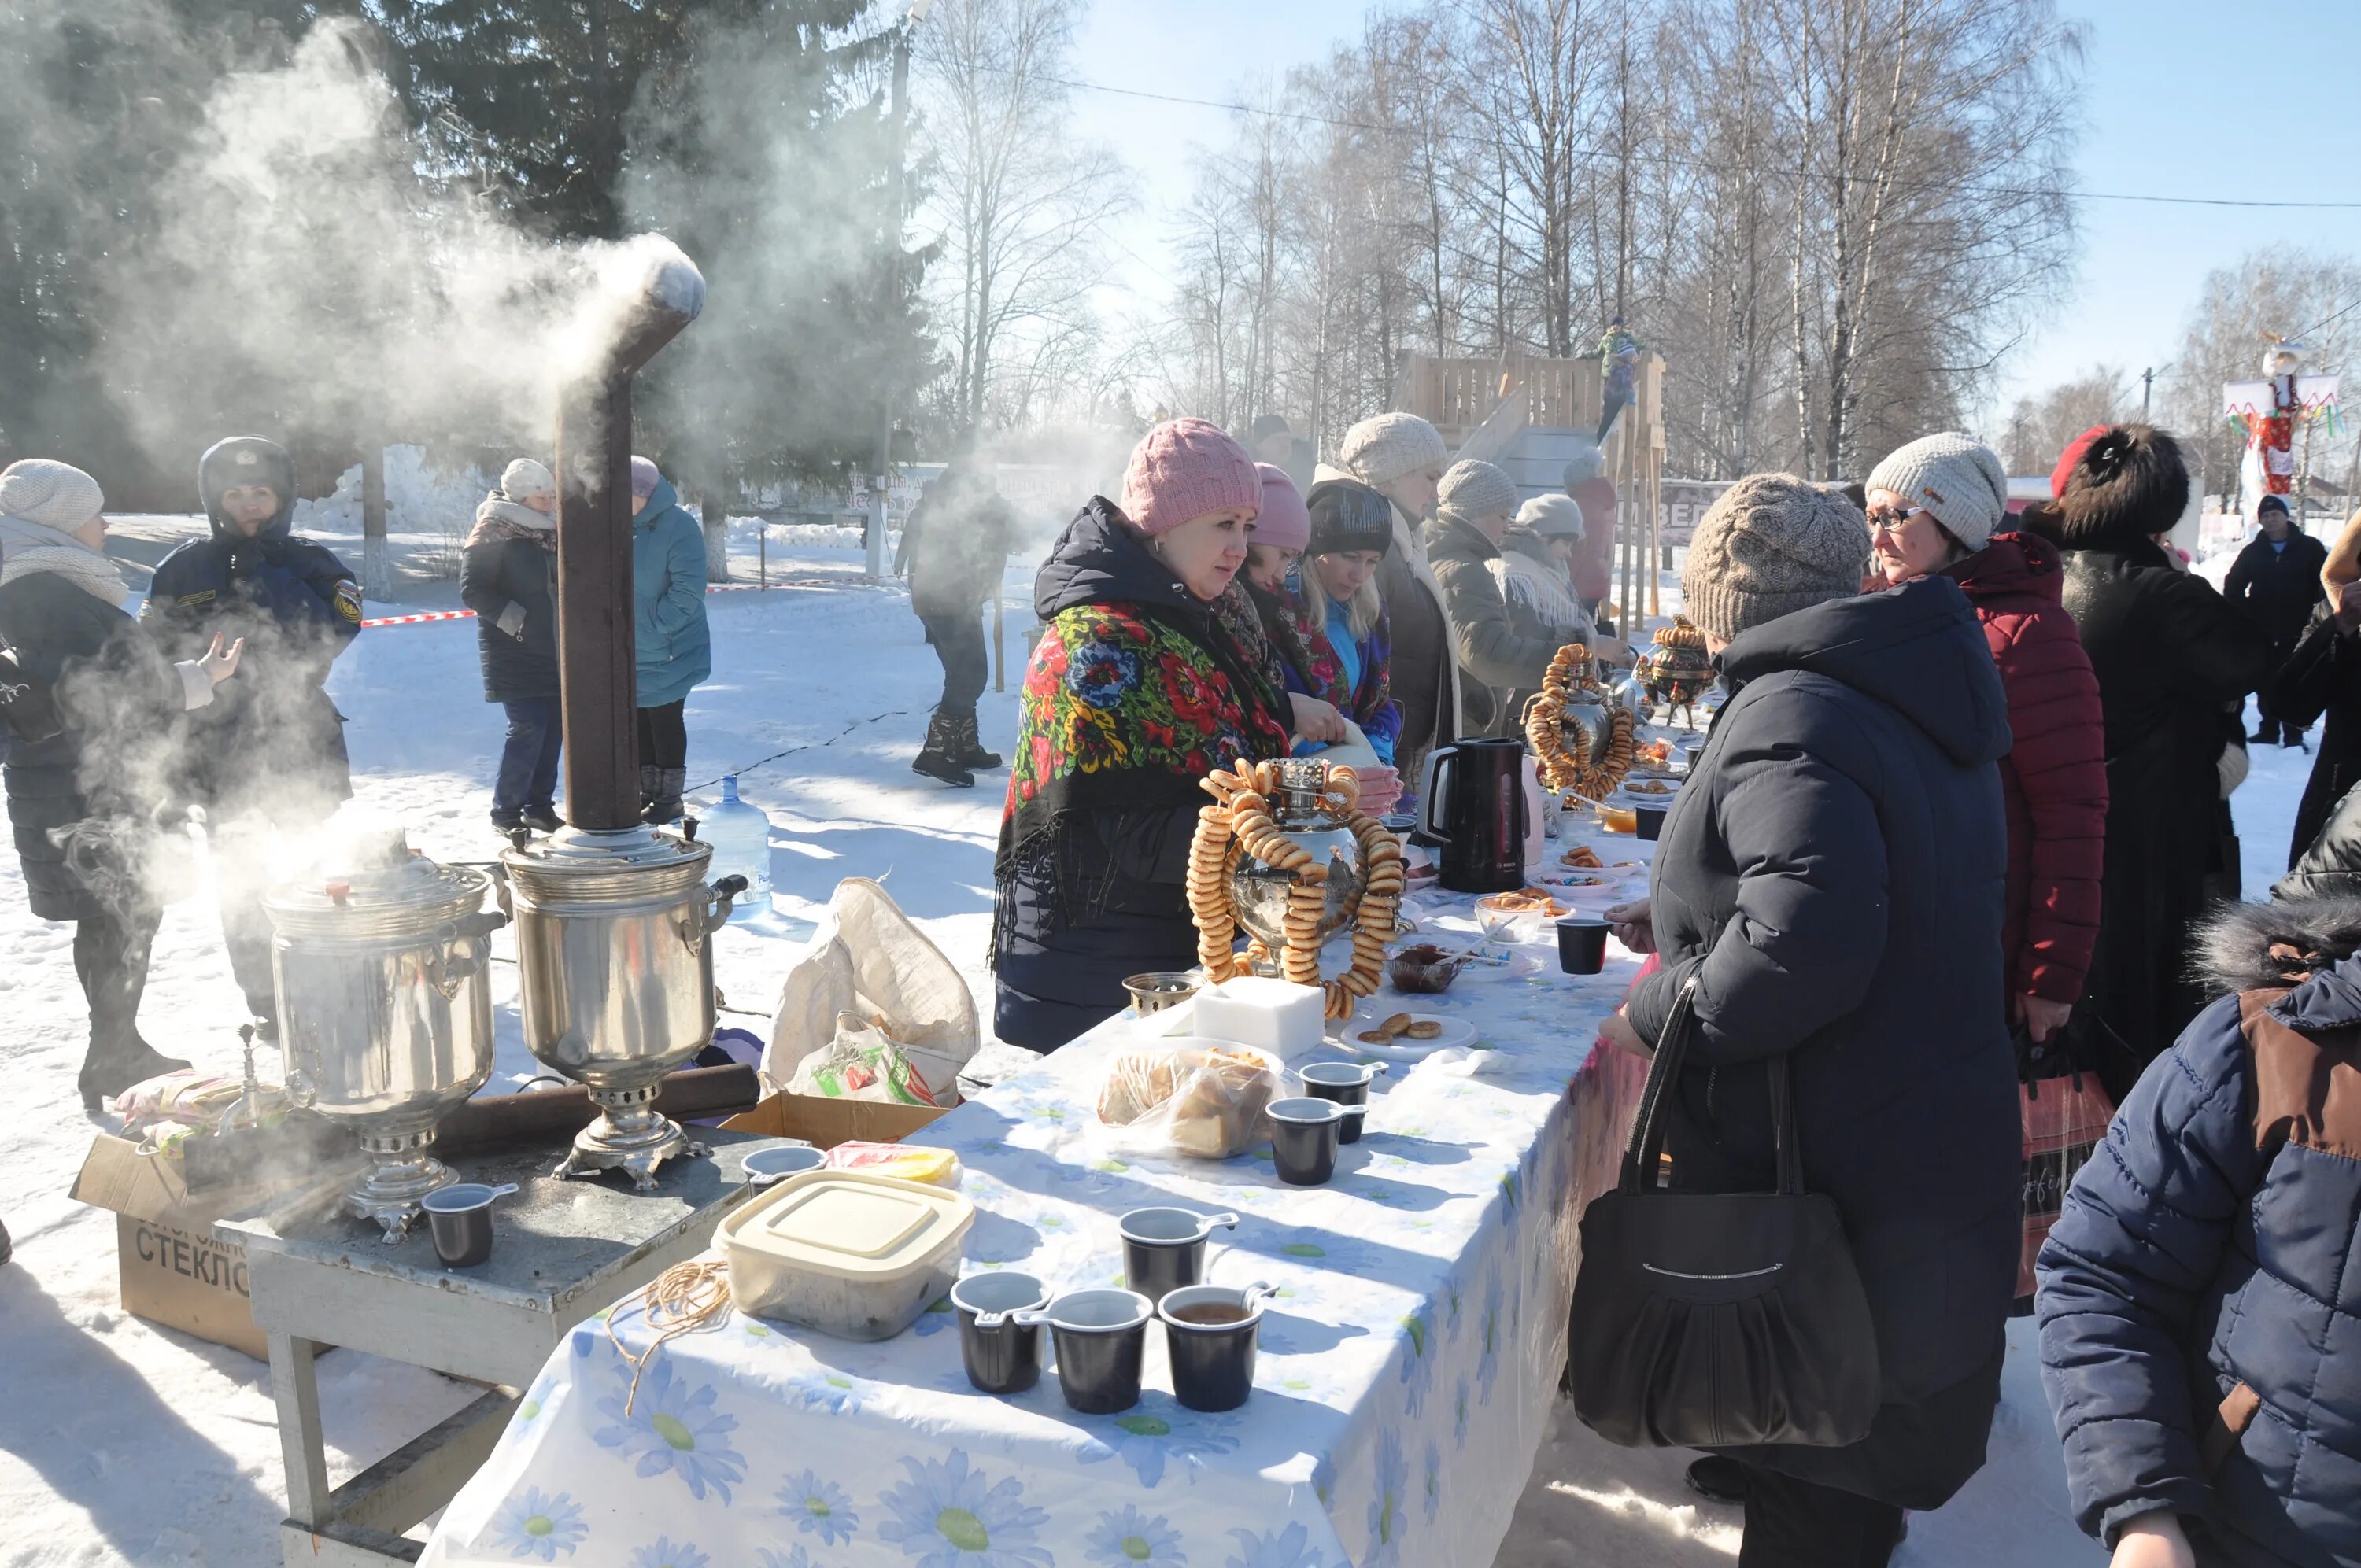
1347,1034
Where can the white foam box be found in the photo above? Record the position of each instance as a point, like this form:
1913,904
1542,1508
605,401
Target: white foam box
1276,1016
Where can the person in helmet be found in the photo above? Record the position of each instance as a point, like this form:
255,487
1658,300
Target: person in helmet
268,757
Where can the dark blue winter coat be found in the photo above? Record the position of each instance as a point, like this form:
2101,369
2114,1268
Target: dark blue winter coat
270,735
2201,1312
1832,877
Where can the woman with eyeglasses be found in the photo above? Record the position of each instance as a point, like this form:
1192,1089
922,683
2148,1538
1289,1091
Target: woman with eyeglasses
1933,508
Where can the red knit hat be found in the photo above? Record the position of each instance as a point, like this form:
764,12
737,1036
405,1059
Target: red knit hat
2071,455
1182,469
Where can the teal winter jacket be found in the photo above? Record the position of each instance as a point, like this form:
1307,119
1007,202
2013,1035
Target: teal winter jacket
675,646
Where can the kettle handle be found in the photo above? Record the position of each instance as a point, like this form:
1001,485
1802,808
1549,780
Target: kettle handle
1429,793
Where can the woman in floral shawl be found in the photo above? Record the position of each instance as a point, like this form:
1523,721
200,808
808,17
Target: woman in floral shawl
1337,614
1137,690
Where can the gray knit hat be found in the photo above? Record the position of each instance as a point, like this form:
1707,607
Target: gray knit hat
50,494
1471,489
1772,544
1955,478
1380,450
1552,516
526,477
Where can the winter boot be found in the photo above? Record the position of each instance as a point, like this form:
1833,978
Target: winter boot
971,752
2292,738
542,818
1718,1479
506,822
940,757
650,783
109,1070
671,784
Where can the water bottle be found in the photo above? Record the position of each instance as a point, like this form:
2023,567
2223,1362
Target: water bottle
740,837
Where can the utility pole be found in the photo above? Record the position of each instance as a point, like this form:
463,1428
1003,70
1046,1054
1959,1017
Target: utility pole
876,542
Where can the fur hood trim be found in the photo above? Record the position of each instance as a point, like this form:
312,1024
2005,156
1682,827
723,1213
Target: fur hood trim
2248,947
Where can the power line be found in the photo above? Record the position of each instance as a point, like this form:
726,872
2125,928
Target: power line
1305,116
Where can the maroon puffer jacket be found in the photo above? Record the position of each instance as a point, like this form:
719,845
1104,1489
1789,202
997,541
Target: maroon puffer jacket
2055,776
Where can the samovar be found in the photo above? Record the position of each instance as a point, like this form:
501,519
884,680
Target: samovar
1258,890
385,1010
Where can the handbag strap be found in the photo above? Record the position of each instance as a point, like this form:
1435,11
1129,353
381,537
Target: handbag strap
1644,1152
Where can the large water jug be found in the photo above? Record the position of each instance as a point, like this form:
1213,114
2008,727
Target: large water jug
740,837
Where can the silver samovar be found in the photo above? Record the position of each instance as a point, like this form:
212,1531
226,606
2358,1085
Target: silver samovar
1258,890
613,943
385,1011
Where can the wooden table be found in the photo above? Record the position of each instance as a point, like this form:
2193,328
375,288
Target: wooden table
564,1250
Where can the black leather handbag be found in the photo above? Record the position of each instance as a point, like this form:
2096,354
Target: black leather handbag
1717,1319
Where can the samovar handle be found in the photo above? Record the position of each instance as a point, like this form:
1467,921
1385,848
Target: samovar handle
697,927
459,951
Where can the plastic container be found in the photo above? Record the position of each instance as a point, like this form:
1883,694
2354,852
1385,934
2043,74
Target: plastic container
740,837
845,1252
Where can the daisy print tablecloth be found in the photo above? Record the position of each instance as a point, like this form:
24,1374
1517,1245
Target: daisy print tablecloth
1407,1368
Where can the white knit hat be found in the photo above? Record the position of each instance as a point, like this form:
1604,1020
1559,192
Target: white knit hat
526,477
50,494
1553,516
1955,477
1380,450
1471,489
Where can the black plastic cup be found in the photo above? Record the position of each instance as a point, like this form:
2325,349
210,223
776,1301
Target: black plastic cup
1212,1332
1002,1354
1164,1249
1102,1336
459,1217
1652,820
1304,1133
1347,1083
1581,943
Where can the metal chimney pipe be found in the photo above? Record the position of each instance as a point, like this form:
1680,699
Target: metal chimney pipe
597,651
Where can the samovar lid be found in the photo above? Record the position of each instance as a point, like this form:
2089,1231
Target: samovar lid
577,864
375,885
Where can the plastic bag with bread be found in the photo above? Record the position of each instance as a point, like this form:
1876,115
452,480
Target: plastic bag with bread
1197,1099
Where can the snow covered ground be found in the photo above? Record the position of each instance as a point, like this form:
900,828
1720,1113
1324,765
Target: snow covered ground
121,1443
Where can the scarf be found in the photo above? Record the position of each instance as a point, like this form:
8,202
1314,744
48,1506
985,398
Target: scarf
1125,706
27,547
1369,702
500,519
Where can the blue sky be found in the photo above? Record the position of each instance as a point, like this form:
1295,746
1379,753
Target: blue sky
2175,94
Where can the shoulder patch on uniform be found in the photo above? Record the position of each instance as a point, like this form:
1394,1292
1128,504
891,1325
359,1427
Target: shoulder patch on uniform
348,600
204,598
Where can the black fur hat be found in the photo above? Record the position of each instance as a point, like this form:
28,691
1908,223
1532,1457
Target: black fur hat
2130,483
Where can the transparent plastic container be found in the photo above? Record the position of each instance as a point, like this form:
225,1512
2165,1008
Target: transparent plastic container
740,837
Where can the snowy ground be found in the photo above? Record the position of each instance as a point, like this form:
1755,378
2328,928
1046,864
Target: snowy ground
122,1442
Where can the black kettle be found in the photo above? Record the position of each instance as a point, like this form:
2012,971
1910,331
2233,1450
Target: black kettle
1472,806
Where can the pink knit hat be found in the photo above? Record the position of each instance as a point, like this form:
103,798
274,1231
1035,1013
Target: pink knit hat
1283,522
1182,469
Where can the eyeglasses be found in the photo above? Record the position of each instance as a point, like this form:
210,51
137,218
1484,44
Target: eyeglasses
1891,519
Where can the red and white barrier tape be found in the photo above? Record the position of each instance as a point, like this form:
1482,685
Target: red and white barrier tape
711,588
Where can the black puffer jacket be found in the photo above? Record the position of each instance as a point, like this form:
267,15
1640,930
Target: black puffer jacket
2322,677
2169,652
495,575
83,804
1833,878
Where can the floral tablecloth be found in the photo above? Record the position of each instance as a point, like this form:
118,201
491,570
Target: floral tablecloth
1407,1368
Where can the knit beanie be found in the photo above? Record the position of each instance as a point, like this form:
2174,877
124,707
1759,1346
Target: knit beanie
50,494
1266,425
1380,450
1282,521
1472,489
1588,462
526,477
2128,484
645,476
1181,470
1349,515
1772,544
1552,516
1955,477
2270,503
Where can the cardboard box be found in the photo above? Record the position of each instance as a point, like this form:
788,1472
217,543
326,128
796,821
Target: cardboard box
172,1270
824,1123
